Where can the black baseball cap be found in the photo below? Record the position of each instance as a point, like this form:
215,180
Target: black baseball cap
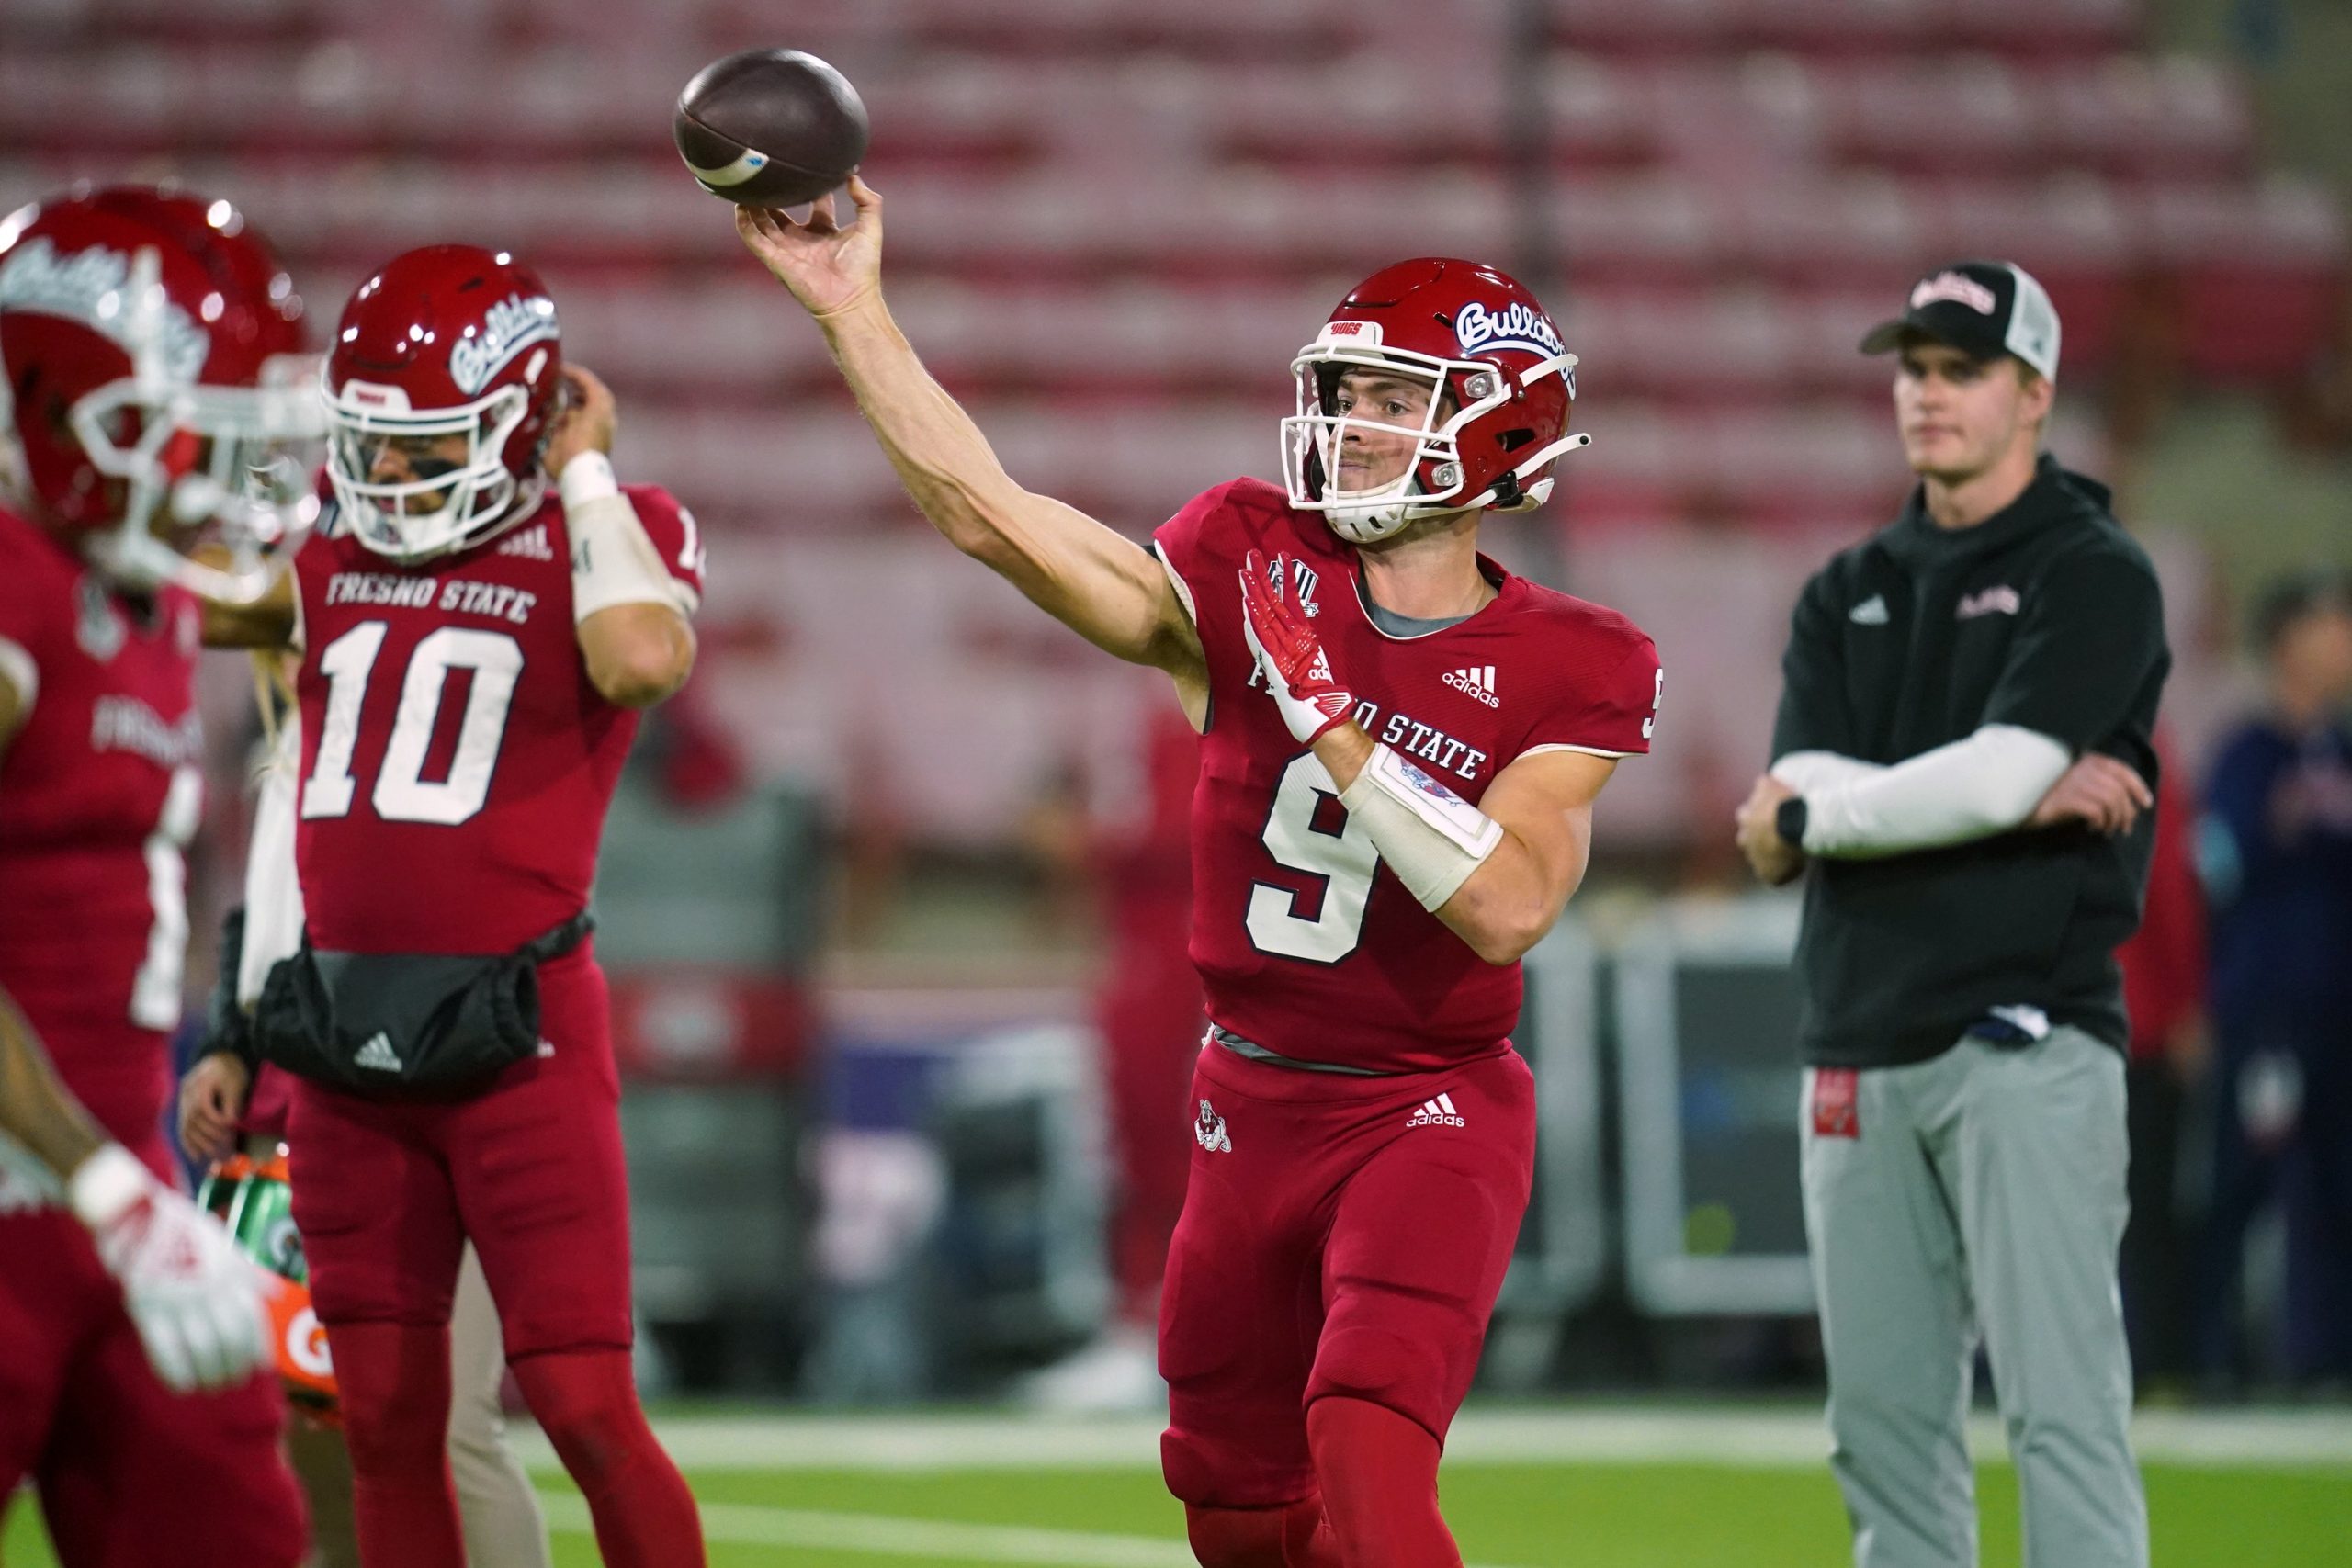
1982,308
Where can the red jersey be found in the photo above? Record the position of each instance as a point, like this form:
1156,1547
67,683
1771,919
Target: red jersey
1307,944
100,791
456,762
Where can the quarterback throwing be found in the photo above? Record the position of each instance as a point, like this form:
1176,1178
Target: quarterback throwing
1401,746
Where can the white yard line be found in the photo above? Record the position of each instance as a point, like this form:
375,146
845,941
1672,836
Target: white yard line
933,1540
1771,1439
741,1524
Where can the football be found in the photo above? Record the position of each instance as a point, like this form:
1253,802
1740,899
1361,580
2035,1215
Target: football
770,128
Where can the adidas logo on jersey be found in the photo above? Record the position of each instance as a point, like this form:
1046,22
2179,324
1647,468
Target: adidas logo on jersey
1438,1113
531,543
1478,681
377,1054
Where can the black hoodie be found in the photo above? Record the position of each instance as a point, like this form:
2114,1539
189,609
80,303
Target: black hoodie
2047,617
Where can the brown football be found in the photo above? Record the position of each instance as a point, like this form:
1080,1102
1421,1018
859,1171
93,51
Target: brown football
770,128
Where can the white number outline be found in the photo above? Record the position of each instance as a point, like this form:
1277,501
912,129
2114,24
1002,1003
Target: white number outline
1346,861
401,793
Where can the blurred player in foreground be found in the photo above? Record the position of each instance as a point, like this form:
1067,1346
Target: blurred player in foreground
476,641
1402,743
136,327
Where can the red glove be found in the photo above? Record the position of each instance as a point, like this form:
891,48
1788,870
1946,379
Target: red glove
1298,673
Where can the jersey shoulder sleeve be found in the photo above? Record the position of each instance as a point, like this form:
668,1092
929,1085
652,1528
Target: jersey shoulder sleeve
1603,680
1203,544
677,537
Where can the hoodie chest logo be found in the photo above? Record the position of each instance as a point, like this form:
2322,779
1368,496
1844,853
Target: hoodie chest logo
2000,601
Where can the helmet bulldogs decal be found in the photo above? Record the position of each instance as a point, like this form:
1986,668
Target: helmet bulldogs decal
1501,385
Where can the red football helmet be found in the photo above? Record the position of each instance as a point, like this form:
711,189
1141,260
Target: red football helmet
444,343
151,345
1502,385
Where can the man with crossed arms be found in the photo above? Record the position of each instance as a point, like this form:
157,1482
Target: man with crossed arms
1962,774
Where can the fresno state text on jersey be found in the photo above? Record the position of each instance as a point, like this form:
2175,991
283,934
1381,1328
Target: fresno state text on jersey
1307,944
100,791
456,761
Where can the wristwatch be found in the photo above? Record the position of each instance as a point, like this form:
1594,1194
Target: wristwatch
1790,820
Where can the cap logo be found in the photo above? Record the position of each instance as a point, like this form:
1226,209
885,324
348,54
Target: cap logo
1957,286
511,326
1516,326
93,286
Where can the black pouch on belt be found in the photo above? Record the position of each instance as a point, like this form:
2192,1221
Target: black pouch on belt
406,1026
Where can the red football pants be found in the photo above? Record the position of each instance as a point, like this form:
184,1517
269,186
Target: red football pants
1340,1235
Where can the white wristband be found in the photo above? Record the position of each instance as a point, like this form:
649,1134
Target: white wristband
612,558
105,1184
1431,837
587,478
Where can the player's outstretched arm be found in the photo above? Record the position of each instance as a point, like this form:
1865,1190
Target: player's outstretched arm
1101,585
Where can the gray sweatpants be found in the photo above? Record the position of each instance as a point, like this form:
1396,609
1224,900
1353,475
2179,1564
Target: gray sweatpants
1981,1191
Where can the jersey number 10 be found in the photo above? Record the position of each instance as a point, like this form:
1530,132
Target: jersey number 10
403,793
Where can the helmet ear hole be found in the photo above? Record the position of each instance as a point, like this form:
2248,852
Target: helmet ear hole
1513,440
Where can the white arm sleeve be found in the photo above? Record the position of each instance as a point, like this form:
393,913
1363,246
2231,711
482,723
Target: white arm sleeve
273,891
1805,772
1973,788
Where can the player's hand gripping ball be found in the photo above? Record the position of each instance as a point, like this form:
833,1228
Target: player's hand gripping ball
770,128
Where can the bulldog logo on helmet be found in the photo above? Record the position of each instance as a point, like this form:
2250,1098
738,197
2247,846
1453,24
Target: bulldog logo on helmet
93,286
512,324
1480,331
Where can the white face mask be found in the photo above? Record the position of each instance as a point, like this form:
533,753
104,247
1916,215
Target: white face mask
439,511
1314,434
247,502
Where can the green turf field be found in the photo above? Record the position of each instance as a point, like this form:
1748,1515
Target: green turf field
1746,1504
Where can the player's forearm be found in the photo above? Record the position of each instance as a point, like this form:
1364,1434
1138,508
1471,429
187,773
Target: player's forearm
941,456
636,654
1512,900
1488,885
37,1110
